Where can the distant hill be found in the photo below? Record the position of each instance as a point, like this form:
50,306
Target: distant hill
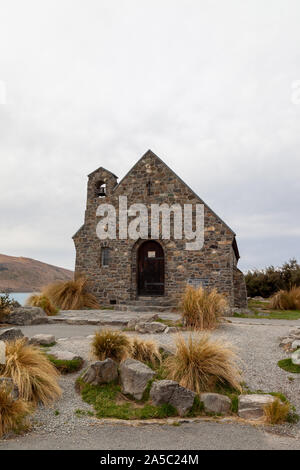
18,274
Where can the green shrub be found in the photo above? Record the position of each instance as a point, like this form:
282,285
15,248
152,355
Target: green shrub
6,305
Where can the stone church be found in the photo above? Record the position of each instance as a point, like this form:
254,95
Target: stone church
122,270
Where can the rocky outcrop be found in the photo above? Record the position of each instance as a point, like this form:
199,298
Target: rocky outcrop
252,406
27,316
150,327
215,403
42,339
170,392
101,372
135,377
10,334
65,355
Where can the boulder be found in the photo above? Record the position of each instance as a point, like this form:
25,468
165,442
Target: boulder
101,372
65,355
142,319
215,403
171,329
135,377
2,353
44,340
27,316
151,327
296,344
294,333
11,334
296,357
168,391
285,342
252,406
10,386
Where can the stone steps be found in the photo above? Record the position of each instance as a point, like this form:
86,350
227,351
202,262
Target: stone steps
144,308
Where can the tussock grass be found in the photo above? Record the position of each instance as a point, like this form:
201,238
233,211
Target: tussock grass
277,412
201,308
37,300
145,351
34,375
12,412
201,364
286,299
71,295
109,343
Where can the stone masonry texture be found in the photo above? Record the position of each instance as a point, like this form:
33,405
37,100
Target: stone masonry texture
214,266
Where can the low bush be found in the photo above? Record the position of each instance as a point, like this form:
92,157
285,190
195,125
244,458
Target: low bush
6,305
286,299
32,372
12,412
71,295
276,412
109,343
202,308
43,302
202,363
66,366
145,351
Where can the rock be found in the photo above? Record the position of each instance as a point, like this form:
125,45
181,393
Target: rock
142,319
2,353
296,357
65,355
171,329
294,333
296,344
44,340
10,386
135,377
11,334
215,403
152,327
27,316
252,406
165,350
285,342
101,372
168,391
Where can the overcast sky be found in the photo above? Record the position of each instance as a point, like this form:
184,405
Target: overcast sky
207,85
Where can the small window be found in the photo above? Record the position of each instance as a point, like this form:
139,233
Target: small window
100,189
105,256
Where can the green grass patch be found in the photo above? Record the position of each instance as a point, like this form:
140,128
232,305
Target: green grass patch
80,412
109,402
288,366
64,366
48,345
169,322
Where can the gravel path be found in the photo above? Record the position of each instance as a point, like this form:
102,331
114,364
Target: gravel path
258,348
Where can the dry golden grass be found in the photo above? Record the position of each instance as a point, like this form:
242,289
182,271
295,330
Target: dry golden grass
43,302
113,344
276,412
12,412
286,299
71,295
202,308
34,375
145,351
201,363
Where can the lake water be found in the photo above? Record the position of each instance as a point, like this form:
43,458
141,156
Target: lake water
20,297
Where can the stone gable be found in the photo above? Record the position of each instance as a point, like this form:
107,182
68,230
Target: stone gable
151,181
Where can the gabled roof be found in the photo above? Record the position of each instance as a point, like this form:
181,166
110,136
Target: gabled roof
102,169
153,155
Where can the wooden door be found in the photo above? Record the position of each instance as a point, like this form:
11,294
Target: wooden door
151,269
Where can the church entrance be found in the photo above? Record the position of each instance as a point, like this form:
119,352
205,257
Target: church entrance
150,268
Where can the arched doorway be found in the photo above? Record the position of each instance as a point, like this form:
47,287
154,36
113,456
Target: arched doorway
150,269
